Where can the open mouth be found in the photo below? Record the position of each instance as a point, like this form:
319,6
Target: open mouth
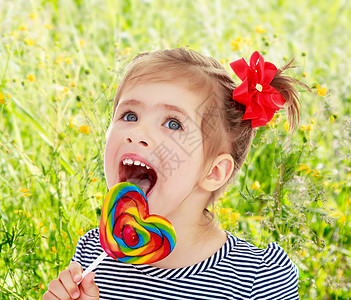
144,178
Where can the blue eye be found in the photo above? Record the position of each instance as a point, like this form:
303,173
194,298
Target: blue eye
174,124
133,117
173,121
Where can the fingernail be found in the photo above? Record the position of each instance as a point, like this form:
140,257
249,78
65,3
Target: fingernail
75,295
76,278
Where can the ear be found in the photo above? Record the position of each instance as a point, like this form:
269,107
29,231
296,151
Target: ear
219,173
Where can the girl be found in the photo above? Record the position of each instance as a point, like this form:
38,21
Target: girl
179,114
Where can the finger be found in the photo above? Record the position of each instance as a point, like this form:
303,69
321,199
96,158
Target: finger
76,271
71,287
57,289
49,296
89,287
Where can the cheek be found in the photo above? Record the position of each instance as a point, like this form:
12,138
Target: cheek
109,158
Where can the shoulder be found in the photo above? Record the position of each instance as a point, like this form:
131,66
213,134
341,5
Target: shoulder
276,276
90,237
87,244
275,257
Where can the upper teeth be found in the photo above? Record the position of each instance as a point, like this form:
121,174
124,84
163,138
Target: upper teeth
129,162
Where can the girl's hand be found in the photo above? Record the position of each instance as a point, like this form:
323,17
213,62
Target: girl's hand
66,287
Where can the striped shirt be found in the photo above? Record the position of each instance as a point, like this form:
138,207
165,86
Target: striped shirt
238,270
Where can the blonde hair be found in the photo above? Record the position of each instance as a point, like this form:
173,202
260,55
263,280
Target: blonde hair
222,127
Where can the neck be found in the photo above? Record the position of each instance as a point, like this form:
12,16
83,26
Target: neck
196,241
198,237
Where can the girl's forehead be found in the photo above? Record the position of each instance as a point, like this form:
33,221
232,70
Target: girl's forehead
168,95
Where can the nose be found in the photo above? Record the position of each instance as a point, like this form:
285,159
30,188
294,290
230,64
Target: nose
138,136
129,140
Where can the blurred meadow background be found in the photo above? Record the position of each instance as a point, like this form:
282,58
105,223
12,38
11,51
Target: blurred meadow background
60,64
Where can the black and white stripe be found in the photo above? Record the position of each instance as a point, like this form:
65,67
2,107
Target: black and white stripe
238,270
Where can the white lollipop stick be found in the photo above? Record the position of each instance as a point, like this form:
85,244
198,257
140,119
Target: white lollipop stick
93,265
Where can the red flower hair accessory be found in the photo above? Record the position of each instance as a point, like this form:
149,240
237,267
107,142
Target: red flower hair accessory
255,92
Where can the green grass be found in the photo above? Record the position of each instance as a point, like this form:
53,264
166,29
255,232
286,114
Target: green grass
61,60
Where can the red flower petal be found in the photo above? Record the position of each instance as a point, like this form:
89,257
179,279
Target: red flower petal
261,103
240,68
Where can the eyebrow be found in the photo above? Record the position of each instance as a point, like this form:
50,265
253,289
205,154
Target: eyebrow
134,102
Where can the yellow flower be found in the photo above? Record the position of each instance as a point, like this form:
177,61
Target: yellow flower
332,119
115,86
40,225
79,157
316,174
90,173
41,286
309,128
23,27
28,214
29,42
68,60
2,98
255,185
321,91
73,122
48,26
127,50
41,65
73,84
31,77
53,227
237,44
275,120
81,231
225,210
26,194
303,167
304,74
342,219
81,43
65,90
45,230
235,216
68,247
32,16
8,95
309,171
334,186
98,195
59,60
260,29
53,250
94,179
313,121
84,129
286,126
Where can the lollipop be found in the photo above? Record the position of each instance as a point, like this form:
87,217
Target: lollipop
128,233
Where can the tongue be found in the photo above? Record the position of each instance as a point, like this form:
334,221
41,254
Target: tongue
143,183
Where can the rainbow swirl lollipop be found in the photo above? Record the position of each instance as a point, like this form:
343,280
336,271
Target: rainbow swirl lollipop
128,233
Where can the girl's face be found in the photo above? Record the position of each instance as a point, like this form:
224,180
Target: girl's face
159,125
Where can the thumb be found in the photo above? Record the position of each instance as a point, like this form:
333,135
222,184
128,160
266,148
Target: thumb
88,288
